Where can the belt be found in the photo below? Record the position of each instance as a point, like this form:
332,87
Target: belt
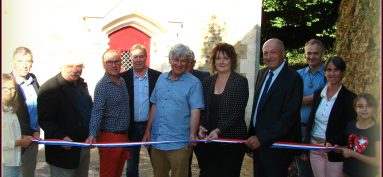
319,140
116,132
143,122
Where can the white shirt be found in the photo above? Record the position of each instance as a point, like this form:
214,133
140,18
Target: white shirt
323,113
275,75
11,154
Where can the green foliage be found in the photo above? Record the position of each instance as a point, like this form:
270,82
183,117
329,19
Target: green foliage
296,22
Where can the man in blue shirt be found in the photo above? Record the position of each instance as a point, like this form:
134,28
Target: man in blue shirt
140,81
27,112
174,115
313,79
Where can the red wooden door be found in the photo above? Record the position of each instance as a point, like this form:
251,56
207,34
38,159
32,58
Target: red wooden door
123,39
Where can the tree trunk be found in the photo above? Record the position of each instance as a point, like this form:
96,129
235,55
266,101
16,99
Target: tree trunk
358,42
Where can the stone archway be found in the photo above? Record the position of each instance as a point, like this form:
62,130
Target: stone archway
128,30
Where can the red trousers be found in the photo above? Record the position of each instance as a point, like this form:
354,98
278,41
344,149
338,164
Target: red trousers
112,160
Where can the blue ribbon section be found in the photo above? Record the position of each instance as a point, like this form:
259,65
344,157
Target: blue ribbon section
283,145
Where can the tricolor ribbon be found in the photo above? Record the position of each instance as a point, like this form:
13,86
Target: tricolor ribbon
58,142
285,145
300,146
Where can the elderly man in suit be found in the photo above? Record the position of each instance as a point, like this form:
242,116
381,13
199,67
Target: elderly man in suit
64,106
140,81
275,115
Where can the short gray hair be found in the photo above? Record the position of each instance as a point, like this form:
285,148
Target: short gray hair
22,51
180,50
313,42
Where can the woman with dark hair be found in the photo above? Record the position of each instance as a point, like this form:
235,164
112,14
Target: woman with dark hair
11,133
225,95
331,111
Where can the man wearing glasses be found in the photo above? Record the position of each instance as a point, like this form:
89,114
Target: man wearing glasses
110,116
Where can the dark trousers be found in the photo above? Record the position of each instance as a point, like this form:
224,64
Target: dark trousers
133,162
304,167
271,162
219,160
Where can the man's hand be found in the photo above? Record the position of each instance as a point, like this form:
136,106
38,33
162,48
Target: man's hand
36,135
146,137
253,142
90,140
24,142
69,140
192,137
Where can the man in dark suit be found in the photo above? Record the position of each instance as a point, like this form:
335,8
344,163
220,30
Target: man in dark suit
275,115
27,112
140,81
201,75
64,107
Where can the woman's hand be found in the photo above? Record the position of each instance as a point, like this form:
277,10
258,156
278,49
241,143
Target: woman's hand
347,153
202,132
213,134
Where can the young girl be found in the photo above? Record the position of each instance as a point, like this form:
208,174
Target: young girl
362,158
11,134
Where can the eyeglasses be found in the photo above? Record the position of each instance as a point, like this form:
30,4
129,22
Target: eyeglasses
8,90
111,62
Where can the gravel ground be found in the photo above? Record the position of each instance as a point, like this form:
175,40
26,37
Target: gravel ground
145,167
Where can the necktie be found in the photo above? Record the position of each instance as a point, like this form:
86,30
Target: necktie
265,89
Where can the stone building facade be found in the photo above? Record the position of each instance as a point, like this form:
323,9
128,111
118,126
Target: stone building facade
57,30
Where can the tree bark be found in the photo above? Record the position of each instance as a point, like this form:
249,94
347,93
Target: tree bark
358,41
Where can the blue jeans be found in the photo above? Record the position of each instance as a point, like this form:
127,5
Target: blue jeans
133,162
11,171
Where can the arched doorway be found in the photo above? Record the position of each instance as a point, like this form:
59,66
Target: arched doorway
123,39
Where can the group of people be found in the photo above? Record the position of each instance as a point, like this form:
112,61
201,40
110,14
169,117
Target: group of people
310,105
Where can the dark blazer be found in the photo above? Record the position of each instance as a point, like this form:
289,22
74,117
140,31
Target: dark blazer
128,77
201,75
341,113
279,117
232,105
59,117
22,112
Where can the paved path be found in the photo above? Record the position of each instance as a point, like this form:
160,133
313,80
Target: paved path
145,167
